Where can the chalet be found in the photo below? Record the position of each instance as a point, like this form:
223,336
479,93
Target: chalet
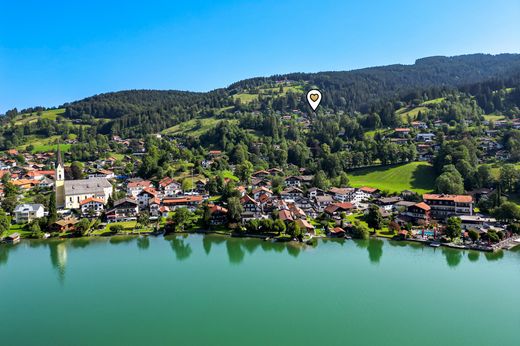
336,209
64,225
293,181
102,173
190,202
262,191
336,232
145,196
291,193
401,132
260,174
249,204
200,186
314,191
170,187
344,194
419,213
323,201
476,222
285,216
444,206
219,215
425,137
133,188
364,194
92,206
125,209
419,125
275,171
154,207
305,225
260,182
387,203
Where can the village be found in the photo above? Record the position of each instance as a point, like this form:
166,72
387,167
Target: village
106,202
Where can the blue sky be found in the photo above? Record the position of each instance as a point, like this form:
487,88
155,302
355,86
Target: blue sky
52,52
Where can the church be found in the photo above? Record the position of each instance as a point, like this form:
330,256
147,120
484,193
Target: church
70,193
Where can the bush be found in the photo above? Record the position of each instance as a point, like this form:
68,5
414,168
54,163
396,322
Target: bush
116,228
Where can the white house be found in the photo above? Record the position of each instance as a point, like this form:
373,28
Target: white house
92,206
424,137
24,213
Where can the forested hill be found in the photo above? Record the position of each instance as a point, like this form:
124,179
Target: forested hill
360,89
135,113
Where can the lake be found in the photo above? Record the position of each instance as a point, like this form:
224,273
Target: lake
213,290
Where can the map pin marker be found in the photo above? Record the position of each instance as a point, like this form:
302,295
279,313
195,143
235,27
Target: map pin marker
314,98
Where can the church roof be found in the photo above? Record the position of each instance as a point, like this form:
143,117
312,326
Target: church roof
86,186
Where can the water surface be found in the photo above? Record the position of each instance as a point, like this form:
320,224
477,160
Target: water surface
196,290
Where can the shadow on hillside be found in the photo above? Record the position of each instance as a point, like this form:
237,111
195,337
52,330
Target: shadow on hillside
423,177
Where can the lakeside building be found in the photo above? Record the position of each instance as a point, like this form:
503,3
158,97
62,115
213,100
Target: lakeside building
70,193
24,213
443,206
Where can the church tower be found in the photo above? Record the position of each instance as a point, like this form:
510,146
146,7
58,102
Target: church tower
59,180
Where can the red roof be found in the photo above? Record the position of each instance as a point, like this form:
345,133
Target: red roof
422,206
368,189
183,200
285,215
337,230
452,198
92,199
141,183
402,129
217,208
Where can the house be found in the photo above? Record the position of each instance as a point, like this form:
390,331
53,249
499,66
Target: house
190,202
444,206
65,225
249,204
419,213
102,173
425,137
305,225
145,196
125,209
476,221
363,194
12,238
262,191
314,191
92,206
24,213
170,187
323,201
402,132
285,216
298,180
291,193
336,232
336,209
387,203
133,188
344,194
260,174
219,215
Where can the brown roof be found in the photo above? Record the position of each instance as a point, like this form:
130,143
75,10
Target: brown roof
368,189
453,198
422,206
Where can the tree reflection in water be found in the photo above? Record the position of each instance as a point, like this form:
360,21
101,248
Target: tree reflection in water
234,249
453,256
143,243
375,250
181,248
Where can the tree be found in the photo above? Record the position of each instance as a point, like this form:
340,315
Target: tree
143,219
244,171
450,181
473,235
279,226
507,211
53,214
360,230
320,180
294,230
234,209
453,228
5,222
83,226
181,218
374,218
76,170
34,228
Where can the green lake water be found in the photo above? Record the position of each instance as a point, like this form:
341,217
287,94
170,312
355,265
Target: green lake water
196,290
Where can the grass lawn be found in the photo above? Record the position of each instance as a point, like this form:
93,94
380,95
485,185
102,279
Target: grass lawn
415,176
494,117
433,102
228,174
405,112
195,127
50,115
127,226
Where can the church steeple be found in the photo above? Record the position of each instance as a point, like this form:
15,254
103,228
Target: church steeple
59,179
59,158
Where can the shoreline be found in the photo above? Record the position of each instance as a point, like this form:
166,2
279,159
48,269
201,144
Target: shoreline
275,238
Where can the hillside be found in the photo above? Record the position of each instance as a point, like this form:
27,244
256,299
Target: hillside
137,112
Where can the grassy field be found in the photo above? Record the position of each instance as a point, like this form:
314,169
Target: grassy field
405,112
194,127
415,176
50,114
45,144
494,117
433,102
247,97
